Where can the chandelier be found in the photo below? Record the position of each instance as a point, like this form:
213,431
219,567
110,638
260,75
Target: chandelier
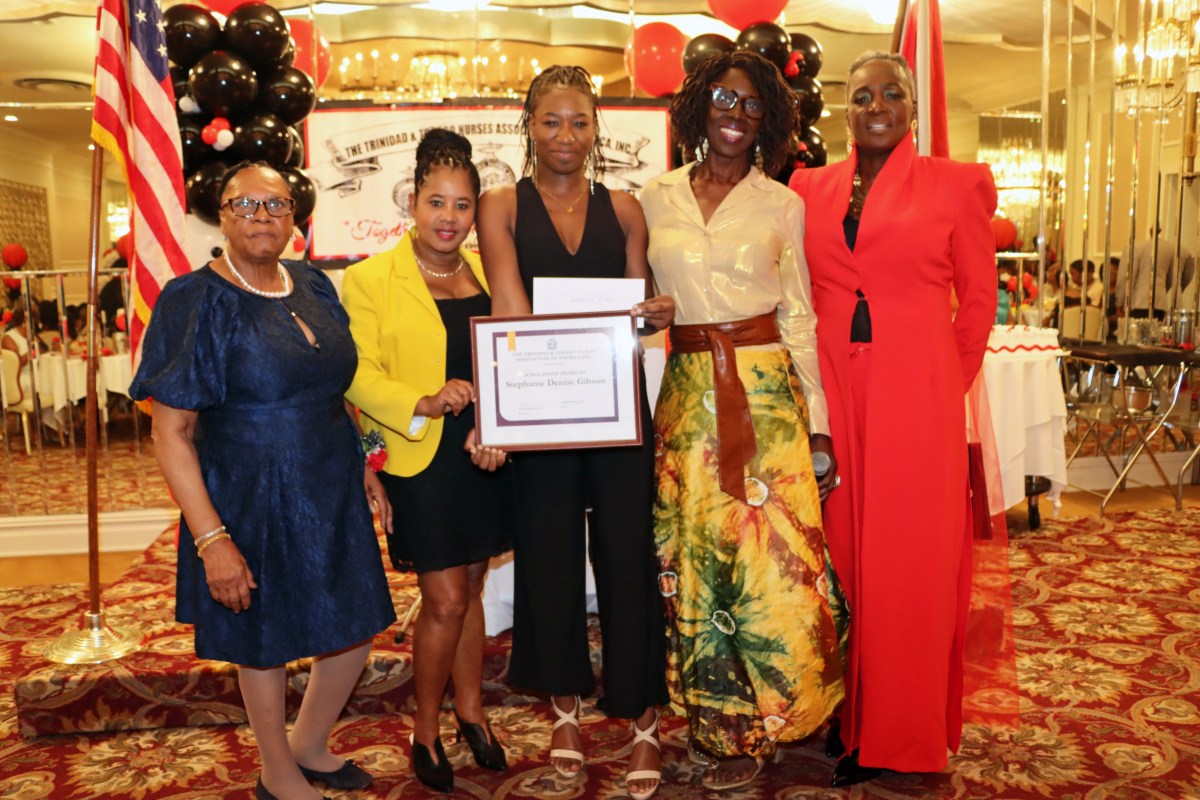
1164,62
430,76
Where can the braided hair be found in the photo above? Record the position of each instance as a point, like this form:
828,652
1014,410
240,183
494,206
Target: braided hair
560,77
440,147
781,121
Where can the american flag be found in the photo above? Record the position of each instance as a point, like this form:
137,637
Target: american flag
134,119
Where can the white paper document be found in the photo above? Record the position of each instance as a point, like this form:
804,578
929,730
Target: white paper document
584,295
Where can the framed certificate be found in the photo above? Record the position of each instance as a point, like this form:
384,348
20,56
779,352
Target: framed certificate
557,381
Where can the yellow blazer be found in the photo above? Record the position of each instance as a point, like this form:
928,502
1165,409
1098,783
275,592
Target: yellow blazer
401,345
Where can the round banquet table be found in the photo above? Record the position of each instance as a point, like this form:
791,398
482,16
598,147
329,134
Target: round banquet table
1029,412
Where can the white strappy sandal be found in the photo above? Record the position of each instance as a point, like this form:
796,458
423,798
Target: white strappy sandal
566,718
649,736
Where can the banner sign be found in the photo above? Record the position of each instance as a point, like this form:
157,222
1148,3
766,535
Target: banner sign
362,161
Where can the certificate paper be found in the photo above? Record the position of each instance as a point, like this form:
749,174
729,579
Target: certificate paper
556,380
579,295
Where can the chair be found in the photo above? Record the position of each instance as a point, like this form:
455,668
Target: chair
1081,322
14,400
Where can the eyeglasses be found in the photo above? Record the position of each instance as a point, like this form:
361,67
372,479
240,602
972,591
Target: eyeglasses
725,99
247,207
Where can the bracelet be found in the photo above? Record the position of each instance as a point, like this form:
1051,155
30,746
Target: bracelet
201,539
216,538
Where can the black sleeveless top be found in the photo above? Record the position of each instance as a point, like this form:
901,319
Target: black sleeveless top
541,254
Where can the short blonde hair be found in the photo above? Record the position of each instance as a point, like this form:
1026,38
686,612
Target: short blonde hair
879,55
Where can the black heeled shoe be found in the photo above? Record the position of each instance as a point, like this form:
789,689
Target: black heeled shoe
834,746
347,776
848,772
261,793
483,743
437,775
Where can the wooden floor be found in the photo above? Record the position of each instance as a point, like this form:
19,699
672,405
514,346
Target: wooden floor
74,569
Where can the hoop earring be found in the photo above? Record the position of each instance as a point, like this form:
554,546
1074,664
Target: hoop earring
702,148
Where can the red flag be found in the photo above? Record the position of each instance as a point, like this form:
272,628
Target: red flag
134,120
921,46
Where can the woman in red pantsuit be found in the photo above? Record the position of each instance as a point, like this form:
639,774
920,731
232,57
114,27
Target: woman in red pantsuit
891,237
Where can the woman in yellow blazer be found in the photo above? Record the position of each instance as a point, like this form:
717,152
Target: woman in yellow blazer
409,314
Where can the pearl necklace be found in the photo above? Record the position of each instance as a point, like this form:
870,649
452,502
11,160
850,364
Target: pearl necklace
433,273
283,277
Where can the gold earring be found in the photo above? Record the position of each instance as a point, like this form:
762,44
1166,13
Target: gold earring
533,157
758,156
702,148
591,173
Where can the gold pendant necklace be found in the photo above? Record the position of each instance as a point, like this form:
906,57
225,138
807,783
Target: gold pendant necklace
569,207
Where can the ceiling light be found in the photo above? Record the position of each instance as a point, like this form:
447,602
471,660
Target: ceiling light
330,9
10,118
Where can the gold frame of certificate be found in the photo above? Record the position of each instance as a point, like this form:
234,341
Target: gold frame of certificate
555,381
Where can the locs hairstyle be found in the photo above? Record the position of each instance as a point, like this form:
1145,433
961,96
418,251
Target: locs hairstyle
560,77
444,148
781,121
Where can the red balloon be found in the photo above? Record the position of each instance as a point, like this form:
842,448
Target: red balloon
14,255
1031,292
209,134
1005,231
5,317
225,6
12,283
741,14
221,124
120,320
1011,283
302,34
654,57
125,246
1027,279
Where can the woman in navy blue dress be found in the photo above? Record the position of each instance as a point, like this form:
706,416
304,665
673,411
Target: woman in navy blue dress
247,360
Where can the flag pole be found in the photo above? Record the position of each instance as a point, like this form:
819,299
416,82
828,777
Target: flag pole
898,27
95,641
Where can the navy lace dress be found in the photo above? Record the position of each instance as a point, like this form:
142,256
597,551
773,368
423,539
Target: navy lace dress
280,459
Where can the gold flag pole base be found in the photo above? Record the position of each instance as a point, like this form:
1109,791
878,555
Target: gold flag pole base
95,644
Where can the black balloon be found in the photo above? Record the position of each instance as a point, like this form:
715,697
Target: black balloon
810,48
768,40
702,47
289,54
812,146
201,191
808,93
262,137
222,83
296,159
303,192
287,93
258,33
179,81
195,152
190,31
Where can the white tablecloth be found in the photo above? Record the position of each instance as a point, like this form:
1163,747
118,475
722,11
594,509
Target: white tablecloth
55,389
1029,416
116,373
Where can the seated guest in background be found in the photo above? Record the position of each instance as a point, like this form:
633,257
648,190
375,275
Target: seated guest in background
896,364
410,311
1153,273
18,339
247,360
1075,290
753,656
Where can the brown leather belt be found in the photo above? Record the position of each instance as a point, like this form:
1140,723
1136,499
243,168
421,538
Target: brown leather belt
735,428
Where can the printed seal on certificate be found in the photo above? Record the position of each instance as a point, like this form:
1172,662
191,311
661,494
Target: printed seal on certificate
556,381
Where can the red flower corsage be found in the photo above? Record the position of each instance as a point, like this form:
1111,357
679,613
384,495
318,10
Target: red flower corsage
375,450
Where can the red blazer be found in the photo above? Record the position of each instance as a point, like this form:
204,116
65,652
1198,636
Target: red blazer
905,561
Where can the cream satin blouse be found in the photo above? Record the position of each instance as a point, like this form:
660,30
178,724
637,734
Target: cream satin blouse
747,261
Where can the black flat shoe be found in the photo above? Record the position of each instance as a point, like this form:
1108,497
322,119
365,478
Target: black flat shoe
483,743
261,793
848,772
437,775
834,747
347,776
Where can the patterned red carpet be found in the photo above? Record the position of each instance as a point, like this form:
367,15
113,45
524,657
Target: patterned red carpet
1107,616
